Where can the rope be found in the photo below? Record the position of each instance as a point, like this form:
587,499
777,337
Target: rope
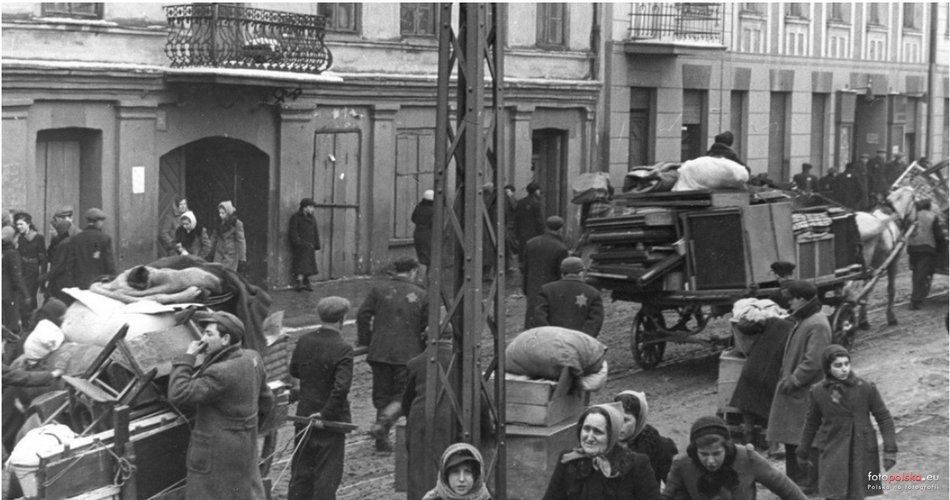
124,468
166,490
305,433
280,451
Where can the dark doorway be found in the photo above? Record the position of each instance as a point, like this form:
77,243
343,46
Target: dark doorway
549,162
778,137
217,169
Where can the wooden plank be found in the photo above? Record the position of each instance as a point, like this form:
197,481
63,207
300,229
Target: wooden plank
528,392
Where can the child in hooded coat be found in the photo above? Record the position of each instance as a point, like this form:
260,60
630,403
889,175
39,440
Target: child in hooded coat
838,423
460,475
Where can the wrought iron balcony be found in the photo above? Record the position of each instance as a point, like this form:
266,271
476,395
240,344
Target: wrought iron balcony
229,36
677,23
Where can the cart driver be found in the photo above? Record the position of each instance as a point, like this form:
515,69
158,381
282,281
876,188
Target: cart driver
228,391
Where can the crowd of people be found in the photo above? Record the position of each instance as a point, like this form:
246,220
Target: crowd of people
862,185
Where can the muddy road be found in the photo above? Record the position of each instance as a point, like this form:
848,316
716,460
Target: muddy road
909,363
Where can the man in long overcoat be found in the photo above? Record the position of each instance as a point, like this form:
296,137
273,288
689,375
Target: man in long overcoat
570,302
323,362
392,321
304,241
849,189
229,393
541,264
529,221
89,254
801,367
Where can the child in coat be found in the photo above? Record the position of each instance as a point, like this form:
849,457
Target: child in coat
839,425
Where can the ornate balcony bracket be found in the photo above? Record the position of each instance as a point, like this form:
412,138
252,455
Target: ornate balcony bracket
228,36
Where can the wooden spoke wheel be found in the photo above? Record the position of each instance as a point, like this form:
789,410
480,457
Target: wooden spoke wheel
648,326
844,324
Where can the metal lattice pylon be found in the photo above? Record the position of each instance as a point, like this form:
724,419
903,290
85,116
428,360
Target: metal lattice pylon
465,282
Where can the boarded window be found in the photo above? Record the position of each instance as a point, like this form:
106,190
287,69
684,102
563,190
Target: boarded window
80,10
552,20
417,19
415,163
341,17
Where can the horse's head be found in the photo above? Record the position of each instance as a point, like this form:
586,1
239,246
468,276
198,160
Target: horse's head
902,201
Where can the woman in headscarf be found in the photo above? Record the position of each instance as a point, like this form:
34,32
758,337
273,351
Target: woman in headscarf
227,242
599,467
839,424
714,468
460,475
32,248
192,238
641,437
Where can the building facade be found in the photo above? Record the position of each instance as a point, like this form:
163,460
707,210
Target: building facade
109,105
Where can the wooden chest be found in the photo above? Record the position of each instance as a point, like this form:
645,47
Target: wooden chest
542,402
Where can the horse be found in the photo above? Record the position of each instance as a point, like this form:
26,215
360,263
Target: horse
880,232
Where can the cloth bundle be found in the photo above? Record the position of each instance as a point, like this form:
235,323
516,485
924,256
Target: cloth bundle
658,178
590,187
749,317
710,172
165,286
541,352
814,223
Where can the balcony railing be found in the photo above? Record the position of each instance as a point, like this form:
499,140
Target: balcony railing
677,22
228,36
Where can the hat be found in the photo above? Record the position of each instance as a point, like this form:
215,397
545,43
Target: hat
405,264
864,155
782,268
94,214
428,194
53,308
554,223
8,233
66,211
806,166
44,339
725,138
704,426
510,186
231,323
572,265
802,290
829,354
898,155
333,309
307,202
532,187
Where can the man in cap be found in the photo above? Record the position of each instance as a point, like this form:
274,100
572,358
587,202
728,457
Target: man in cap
805,181
528,219
323,362
62,223
392,322
89,254
849,188
230,394
541,264
57,278
894,168
877,177
304,241
801,367
783,274
570,302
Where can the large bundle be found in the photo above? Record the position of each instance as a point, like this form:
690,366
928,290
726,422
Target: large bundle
590,187
95,319
542,352
648,179
710,172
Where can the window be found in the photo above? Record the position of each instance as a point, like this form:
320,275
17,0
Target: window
912,16
840,13
80,10
415,150
876,14
753,8
753,39
341,17
552,20
796,9
417,19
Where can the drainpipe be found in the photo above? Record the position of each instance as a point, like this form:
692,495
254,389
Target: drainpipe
931,76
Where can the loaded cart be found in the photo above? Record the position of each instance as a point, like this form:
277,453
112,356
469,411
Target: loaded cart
687,256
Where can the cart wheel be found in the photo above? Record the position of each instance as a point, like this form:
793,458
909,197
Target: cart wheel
645,327
844,323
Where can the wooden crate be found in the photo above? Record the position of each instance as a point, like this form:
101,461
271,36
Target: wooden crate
541,402
731,362
532,456
816,256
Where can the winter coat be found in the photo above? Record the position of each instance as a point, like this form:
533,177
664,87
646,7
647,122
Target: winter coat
805,182
762,370
422,233
324,364
751,468
722,150
392,321
14,288
196,242
846,441
541,260
229,392
89,256
850,190
228,246
570,303
421,475
578,480
529,221
304,240
877,176
167,230
659,449
801,365
33,256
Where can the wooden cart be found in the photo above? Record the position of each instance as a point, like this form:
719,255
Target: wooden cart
686,257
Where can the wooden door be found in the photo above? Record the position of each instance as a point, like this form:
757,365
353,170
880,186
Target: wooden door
58,161
335,189
548,155
171,183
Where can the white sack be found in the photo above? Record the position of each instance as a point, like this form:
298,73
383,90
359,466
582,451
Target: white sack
709,172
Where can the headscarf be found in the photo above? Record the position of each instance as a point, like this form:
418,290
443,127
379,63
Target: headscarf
608,462
640,412
191,217
43,340
442,489
834,385
228,207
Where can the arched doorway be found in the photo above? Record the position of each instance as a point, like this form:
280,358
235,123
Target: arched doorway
211,170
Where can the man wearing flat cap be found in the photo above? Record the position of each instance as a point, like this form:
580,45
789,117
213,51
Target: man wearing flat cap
541,264
323,362
86,256
57,278
570,302
304,241
392,323
229,393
